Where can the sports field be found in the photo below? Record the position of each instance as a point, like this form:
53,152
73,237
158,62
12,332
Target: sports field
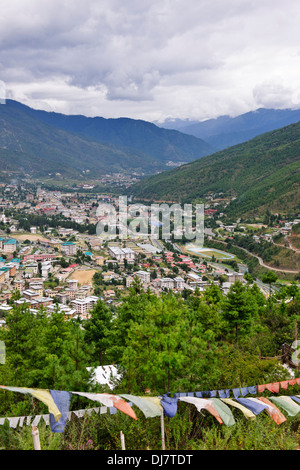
209,252
83,276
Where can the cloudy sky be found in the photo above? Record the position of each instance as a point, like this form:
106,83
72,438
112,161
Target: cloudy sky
151,59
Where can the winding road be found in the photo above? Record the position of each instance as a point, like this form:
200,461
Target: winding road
261,262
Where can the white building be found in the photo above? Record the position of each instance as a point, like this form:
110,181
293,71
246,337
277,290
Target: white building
83,306
226,287
46,268
73,283
144,276
5,308
9,246
31,294
69,248
194,277
65,309
129,254
178,283
122,253
166,283
232,277
129,281
148,249
116,252
36,288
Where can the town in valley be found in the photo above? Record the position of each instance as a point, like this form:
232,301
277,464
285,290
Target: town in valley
51,257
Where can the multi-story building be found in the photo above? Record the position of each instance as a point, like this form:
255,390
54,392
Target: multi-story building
122,253
46,268
38,288
30,269
144,276
71,293
166,283
19,283
8,245
178,283
31,294
62,297
73,283
129,255
232,277
83,306
65,309
129,281
69,248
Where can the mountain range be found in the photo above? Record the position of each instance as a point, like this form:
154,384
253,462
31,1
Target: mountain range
226,131
261,174
39,143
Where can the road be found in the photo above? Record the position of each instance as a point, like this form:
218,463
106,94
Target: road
291,246
261,262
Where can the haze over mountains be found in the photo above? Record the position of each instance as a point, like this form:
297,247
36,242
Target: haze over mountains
226,131
38,143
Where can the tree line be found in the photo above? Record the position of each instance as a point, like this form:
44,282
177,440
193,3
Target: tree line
195,341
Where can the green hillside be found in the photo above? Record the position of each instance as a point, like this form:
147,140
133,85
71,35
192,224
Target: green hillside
262,173
39,143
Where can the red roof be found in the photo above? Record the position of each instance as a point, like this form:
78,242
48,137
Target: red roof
210,211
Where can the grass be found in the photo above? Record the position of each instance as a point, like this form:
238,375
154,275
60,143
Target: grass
188,430
209,253
261,434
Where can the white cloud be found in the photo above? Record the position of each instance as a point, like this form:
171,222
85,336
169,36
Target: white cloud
276,94
151,59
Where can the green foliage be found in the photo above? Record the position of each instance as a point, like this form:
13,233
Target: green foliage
98,331
239,310
50,144
188,430
260,434
261,173
172,343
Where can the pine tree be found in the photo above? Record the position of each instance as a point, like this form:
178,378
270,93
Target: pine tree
153,356
239,310
98,331
21,337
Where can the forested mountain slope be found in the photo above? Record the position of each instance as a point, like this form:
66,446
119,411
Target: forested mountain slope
39,143
264,172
